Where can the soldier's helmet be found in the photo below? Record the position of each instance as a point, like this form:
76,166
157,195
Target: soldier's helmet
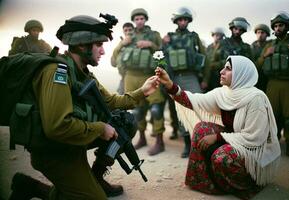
262,27
218,30
182,13
240,22
281,17
139,11
71,33
33,24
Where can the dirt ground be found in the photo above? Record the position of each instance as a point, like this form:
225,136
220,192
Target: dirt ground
165,173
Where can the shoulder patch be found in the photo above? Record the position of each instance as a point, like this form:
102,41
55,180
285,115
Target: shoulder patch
60,75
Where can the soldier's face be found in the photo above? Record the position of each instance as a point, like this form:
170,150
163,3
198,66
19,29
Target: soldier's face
139,21
34,32
279,29
237,31
261,35
182,23
97,52
127,30
217,37
226,75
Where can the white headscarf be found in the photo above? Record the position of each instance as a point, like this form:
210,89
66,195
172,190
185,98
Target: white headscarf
257,143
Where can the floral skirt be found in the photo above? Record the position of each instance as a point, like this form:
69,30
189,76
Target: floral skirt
220,171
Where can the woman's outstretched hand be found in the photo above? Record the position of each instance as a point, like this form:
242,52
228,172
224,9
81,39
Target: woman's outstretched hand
164,77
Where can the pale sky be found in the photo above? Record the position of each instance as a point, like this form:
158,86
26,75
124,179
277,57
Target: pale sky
208,14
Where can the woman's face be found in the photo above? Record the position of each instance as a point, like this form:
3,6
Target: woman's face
226,75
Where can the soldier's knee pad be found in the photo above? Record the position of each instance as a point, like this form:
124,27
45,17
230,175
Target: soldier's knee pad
157,111
138,113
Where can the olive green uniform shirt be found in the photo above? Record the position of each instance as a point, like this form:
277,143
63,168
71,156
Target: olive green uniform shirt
56,108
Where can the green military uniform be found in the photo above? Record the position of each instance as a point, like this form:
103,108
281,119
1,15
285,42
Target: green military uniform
28,44
232,46
216,64
116,62
257,48
136,76
58,107
278,83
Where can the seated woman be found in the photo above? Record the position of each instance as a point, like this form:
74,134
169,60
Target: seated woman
234,145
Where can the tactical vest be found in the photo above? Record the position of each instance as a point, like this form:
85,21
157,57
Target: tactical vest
183,52
231,47
133,58
277,65
26,126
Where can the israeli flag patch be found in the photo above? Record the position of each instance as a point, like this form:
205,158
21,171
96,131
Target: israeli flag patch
60,75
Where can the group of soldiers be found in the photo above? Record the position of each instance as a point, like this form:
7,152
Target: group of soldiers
196,68
190,64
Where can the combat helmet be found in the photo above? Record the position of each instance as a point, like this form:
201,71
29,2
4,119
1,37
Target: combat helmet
182,13
33,24
83,29
240,22
139,11
218,30
281,17
262,27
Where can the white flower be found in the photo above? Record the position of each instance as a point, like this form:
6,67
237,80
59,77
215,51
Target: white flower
158,55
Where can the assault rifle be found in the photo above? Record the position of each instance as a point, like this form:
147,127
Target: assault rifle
122,122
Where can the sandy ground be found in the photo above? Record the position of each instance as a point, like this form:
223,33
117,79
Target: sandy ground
165,173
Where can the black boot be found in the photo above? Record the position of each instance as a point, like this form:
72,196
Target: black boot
174,134
99,170
25,188
142,141
186,151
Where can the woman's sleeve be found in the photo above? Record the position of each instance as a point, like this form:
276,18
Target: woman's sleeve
180,96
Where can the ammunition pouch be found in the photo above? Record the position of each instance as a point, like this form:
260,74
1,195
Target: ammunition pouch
137,59
277,65
182,59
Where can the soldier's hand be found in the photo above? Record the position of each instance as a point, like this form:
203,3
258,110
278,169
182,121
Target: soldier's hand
143,44
164,77
109,133
269,52
150,85
166,39
126,41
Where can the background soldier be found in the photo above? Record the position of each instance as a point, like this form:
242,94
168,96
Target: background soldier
186,56
235,45
275,64
262,31
30,43
69,121
213,55
128,30
138,62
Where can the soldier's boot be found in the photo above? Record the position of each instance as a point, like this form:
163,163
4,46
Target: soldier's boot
174,134
99,170
158,147
142,141
187,148
25,187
